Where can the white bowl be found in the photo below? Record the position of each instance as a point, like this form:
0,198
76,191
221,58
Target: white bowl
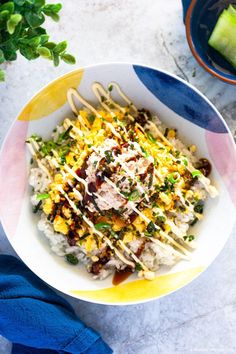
178,105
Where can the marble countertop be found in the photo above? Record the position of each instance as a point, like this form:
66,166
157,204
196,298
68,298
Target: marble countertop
202,316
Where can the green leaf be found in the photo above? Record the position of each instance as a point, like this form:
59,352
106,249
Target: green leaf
50,45
34,42
39,3
56,59
54,17
44,52
35,32
34,19
2,58
8,6
52,8
4,15
13,22
2,75
28,52
68,59
44,39
20,30
19,2
60,47
10,55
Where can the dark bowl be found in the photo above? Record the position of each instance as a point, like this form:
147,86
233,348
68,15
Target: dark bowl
200,20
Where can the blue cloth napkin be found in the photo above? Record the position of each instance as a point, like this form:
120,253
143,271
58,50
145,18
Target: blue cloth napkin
36,319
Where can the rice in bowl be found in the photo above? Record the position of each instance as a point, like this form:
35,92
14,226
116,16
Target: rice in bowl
116,190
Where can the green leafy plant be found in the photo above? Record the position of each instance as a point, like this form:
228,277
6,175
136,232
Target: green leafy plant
21,31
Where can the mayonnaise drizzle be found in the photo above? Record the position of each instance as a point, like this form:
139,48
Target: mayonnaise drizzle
108,104
91,225
96,88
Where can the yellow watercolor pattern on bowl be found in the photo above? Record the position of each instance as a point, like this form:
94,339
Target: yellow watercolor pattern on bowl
52,97
141,290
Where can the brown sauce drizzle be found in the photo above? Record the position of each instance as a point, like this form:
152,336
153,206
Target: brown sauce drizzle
121,276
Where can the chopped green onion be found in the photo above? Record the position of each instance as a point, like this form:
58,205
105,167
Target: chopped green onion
65,135
185,162
195,220
189,238
173,178
115,235
102,225
151,138
47,147
72,259
177,153
151,227
91,118
42,196
134,195
196,173
144,152
36,137
37,207
166,132
160,218
110,88
63,160
108,156
138,267
199,208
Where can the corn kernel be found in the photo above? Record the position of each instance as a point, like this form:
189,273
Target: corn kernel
48,206
66,211
148,213
70,158
118,224
58,178
171,134
192,148
94,258
60,225
128,237
90,244
165,198
139,224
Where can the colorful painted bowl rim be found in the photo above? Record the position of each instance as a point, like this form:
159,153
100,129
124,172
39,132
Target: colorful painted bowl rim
196,271
193,49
